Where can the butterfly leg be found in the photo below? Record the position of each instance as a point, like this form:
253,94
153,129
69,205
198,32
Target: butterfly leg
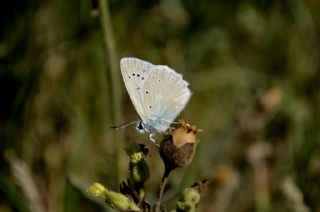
151,137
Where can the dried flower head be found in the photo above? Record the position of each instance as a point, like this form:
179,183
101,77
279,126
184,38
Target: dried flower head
177,148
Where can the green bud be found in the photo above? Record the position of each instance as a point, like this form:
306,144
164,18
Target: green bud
185,207
190,198
135,157
139,170
191,195
98,190
116,200
121,202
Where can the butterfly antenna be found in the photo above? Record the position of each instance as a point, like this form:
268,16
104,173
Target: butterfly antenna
121,126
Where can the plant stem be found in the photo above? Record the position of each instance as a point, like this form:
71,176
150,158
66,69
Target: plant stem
163,184
113,80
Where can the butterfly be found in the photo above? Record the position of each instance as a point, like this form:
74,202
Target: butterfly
157,92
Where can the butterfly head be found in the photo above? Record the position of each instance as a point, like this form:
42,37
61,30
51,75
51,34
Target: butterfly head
141,127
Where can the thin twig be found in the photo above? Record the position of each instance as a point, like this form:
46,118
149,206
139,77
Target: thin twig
113,80
162,187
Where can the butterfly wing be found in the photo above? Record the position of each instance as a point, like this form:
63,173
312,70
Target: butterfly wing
165,94
134,72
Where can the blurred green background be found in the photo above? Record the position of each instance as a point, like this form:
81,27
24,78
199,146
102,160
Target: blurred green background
253,68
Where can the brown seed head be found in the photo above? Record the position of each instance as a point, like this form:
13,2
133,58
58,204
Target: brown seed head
177,149
186,134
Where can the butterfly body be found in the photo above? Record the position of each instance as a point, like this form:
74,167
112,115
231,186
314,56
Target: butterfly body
157,92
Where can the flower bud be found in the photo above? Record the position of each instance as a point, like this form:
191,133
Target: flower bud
116,200
139,170
190,198
185,207
177,149
191,195
98,190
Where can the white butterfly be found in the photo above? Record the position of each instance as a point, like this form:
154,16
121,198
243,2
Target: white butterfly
157,92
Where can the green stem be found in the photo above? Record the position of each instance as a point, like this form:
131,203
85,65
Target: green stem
113,80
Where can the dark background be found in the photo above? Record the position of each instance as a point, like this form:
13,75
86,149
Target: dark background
253,68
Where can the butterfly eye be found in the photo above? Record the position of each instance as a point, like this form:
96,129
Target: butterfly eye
140,126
